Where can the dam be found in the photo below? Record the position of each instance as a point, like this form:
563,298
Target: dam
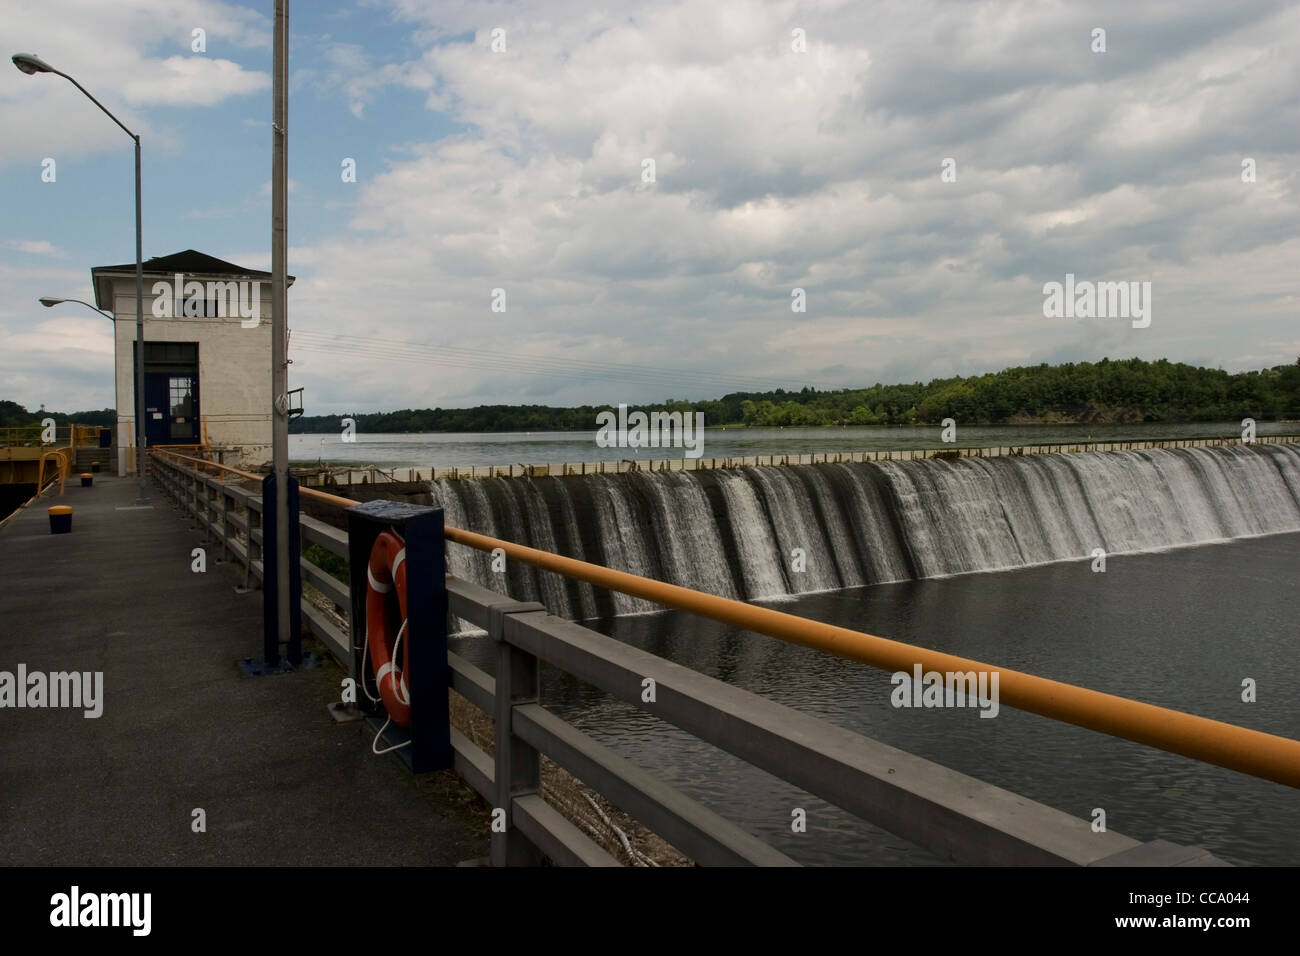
758,709
759,533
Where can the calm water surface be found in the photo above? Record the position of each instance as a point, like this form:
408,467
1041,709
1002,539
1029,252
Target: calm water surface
537,448
1181,629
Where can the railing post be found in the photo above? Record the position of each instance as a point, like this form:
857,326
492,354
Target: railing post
271,584
248,536
209,514
518,765
227,552
216,532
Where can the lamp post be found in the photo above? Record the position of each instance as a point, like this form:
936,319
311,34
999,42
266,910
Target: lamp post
31,64
50,303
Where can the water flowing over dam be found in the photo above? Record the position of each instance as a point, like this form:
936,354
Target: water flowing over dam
746,532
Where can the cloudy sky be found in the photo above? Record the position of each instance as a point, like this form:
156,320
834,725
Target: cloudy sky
774,169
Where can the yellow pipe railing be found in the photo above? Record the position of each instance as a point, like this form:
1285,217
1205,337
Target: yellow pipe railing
20,435
1211,741
61,473
182,448
73,436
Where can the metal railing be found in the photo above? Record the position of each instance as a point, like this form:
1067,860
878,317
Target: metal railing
59,472
232,516
952,815
40,455
27,436
195,450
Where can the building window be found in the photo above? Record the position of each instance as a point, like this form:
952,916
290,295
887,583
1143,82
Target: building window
181,388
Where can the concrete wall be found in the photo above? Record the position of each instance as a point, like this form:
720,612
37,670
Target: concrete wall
234,372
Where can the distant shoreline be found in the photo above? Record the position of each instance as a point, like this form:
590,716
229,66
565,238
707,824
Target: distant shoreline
736,426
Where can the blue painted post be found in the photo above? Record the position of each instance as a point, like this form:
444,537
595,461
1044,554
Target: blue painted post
426,627
270,584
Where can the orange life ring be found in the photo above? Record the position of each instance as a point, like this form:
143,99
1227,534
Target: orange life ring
386,572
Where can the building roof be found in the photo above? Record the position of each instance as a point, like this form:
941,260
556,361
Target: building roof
190,263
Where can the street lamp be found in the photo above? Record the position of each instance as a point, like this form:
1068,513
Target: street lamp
49,303
30,64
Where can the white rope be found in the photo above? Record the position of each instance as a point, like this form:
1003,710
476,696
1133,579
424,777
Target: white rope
397,643
374,743
392,665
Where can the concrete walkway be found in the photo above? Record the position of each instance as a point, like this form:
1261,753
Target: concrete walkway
182,727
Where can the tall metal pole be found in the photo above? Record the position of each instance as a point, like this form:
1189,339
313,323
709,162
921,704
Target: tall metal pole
29,64
142,495
279,316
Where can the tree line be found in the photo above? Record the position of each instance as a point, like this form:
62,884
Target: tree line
13,415
1128,391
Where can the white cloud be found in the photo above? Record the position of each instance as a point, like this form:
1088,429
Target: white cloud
777,169
129,54
63,361
819,170
192,81
34,247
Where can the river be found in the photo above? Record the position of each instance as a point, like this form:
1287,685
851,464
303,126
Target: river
457,450
1180,629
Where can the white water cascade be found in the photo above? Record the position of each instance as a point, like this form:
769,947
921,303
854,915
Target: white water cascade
733,532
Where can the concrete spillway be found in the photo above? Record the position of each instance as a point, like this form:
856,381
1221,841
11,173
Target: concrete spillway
767,532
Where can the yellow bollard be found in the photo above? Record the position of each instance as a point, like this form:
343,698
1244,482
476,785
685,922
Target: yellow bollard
60,519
